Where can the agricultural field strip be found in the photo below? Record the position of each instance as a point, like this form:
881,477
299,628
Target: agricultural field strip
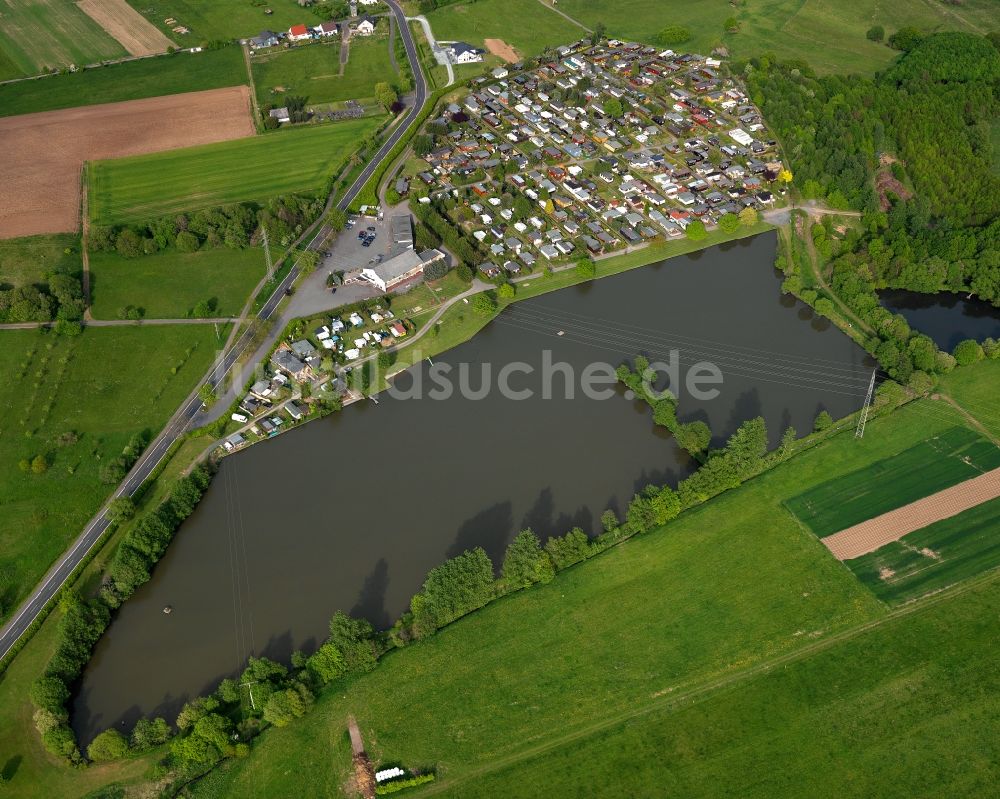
251,169
126,25
933,557
44,152
870,535
928,467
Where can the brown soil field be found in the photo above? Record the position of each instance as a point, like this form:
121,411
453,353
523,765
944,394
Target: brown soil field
501,48
122,22
43,153
875,533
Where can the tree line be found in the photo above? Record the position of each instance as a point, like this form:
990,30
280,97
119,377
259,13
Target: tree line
85,620
236,226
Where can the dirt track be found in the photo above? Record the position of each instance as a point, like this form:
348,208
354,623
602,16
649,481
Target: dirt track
43,153
870,535
126,25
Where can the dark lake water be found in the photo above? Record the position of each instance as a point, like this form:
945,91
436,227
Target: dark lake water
947,318
350,512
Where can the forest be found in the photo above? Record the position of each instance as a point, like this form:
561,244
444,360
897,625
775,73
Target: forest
911,149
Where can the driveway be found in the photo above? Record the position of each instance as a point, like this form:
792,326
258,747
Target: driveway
439,55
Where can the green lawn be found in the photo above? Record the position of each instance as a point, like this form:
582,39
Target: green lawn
222,19
298,160
28,260
937,556
524,24
313,72
77,401
149,77
932,465
39,35
724,587
829,34
904,710
168,285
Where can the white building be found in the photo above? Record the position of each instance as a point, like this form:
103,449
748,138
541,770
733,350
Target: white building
462,53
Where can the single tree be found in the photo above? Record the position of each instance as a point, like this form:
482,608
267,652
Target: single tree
823,421
696,230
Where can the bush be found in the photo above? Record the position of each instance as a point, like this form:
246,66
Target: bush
484,305
823,421
905,39
696,230
109,745
394,786
967,352
673,35
729,223
876,33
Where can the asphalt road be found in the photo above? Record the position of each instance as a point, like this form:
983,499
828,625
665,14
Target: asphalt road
189,411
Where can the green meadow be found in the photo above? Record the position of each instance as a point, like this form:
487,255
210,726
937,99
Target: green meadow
829,34
30,259
932,465
76,402
724,589
169,284
298,160
39,35
935,557
525,24
132,80
313,72
210,20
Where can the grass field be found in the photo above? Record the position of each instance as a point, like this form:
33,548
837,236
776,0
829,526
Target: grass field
932,465
39,35
221,19
830,35
282,162
935,557
76,402
906,709
525,24
133,80
168,285
28,260
313,72
724,587
976,391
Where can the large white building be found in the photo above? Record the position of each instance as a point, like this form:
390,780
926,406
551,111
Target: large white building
400,269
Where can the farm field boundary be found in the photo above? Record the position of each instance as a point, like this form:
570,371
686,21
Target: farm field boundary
126,26
933,558
297,160
875,533
932,465
45,152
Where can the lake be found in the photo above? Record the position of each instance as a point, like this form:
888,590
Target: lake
946,317
350,512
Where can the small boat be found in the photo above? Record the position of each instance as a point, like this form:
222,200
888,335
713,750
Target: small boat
168,609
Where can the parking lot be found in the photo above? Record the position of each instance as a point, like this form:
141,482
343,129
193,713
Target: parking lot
346,254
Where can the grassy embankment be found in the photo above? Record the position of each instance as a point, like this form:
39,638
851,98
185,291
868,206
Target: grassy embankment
460,323
76,402
169,284
290,161
50,34
829,35
149,77
592,662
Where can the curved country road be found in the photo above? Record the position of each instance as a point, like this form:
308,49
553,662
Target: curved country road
187,413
